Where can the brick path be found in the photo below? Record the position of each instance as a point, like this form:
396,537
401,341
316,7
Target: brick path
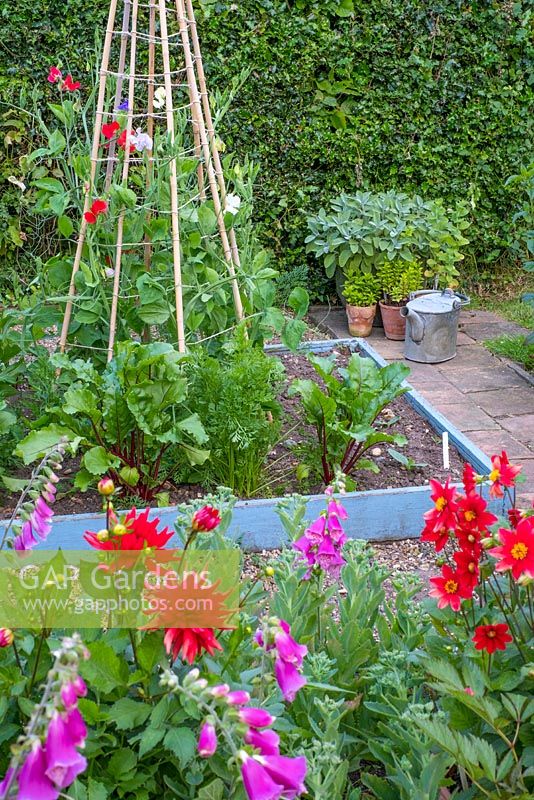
483,396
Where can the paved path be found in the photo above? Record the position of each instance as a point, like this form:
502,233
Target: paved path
482,395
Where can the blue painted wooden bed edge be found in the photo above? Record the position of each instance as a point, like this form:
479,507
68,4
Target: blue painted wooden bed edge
378,515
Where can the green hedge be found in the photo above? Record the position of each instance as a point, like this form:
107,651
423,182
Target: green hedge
432,97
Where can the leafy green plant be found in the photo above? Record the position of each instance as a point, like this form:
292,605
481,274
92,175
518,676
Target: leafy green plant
344,415
523,219
134,419
516,348
361,290
365,230
398,279
235,396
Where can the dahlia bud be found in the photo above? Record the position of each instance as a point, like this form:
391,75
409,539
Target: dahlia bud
525,580
269,572
6,637
119,530
205,519
102,535
106,487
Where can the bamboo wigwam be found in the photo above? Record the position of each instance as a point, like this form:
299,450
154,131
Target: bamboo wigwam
164,39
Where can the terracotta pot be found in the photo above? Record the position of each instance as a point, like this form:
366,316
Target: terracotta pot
360,319
394,324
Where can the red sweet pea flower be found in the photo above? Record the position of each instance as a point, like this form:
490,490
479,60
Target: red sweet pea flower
502,474
190,642
467,568
98,207
469,479
445,506
70,85
54,75
492,637
472,513
448,589
439,537
109,129
516,552
121,141
136,533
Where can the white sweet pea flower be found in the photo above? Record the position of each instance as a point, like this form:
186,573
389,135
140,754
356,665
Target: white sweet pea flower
141,141
159,97
233,201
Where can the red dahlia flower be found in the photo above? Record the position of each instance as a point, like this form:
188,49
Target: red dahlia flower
137,533
70,85
449,589
6,637
188,643
472,513
109,129
469,479
443,515
439,537
492,637
502,474
205,519
469,540
467,568
516,551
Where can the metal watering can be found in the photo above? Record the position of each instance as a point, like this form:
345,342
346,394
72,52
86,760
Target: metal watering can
432,325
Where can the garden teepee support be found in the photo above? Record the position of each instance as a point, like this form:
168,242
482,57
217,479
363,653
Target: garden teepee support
209,169
94,161
203,91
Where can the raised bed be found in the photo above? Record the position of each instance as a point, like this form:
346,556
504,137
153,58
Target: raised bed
377,515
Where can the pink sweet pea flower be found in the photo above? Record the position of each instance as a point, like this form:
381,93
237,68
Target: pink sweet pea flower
54,75
207,741
33,783
289,679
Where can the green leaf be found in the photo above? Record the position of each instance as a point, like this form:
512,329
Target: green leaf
96,790
182,743
207,219
299,301
56,143
39,442
194,426
50,185
149,739
105,670
293,332
98,460
65,226
150,651
127,713
121,763
130,475
213,791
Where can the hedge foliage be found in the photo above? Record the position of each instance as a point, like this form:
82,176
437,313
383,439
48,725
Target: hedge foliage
427,96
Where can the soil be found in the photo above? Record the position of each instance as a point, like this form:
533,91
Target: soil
424,447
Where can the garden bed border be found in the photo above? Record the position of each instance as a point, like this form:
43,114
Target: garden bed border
379,515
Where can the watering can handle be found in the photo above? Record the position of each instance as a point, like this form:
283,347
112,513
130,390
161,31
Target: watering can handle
463,299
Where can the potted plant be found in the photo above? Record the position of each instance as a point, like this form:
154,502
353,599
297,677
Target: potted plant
361,293
397,279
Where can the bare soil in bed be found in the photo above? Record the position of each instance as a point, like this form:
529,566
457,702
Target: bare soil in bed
424,447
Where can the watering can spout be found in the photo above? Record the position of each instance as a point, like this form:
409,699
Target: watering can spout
417,325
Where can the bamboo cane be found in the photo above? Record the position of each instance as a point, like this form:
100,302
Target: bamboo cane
94,161
203,90
191,79
125,170
150,119
178,295
118,88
